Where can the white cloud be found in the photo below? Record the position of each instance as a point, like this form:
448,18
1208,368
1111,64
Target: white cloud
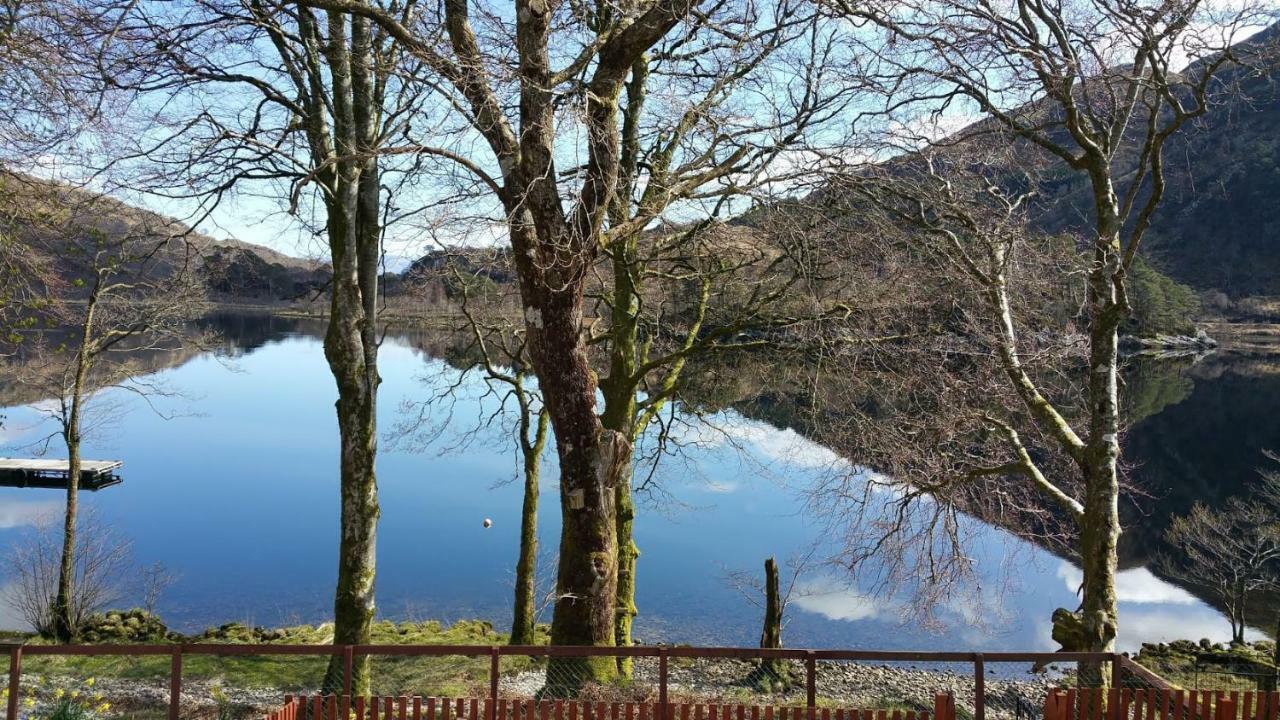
721,487
1138,585
836,601
14,514
769,443
1152,626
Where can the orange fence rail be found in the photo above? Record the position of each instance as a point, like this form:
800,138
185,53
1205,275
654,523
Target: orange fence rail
333,707
1160,704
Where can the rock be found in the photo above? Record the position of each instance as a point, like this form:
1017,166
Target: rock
135,625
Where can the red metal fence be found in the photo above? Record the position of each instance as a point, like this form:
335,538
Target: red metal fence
1120,668
1160,703
333,707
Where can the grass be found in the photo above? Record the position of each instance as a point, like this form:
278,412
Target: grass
441,676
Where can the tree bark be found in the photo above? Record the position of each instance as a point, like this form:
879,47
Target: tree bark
351,339
1275,657
64,627
64,623
590,462
1099,524
773,674
619,392
524,606
352,361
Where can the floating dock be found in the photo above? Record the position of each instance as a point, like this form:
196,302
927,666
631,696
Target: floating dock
54,474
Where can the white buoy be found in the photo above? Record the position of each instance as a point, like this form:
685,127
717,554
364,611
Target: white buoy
488,522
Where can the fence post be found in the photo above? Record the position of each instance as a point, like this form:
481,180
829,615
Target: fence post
1116,668
348,670
979,688
494,669
15,678
1226,709
944,707
810,683
175,682
662,683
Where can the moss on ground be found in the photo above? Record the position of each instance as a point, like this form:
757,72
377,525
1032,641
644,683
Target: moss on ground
1210,666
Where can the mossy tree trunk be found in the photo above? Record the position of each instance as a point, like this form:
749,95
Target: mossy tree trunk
771,633
590,461
351,341
554,248
524,609
1093,627
64,620
620,415
773,675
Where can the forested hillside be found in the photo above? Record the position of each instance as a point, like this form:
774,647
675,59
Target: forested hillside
1219,225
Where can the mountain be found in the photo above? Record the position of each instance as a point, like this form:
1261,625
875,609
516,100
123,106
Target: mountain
240,270
55,220
1218,228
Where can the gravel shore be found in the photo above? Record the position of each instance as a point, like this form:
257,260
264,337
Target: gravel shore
849,685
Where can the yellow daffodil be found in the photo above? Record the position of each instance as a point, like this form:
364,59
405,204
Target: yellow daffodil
75,694
31,702
90,682
103,707
57,694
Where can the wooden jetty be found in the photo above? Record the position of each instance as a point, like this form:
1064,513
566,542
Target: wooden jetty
54,474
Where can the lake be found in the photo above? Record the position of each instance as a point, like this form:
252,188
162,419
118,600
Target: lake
237,494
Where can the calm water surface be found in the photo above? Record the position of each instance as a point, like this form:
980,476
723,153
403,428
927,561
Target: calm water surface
238,496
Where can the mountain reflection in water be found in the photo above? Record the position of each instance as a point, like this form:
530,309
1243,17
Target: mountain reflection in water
238,495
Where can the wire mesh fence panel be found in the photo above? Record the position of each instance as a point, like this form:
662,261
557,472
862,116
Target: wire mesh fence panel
760,682
1019,689
893,686
450,675
588,678
241,686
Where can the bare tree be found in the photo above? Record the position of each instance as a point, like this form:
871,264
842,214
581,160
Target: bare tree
1231,552
1095,88
495,346
671,293
51,90
558,152
155,579
311,105
132,289
33,565
49,95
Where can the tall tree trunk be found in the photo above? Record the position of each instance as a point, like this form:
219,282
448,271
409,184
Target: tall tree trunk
64,627
1100,522
1274,681
351,340
348,355
590,462
354,605
619,392
524,607
64,622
